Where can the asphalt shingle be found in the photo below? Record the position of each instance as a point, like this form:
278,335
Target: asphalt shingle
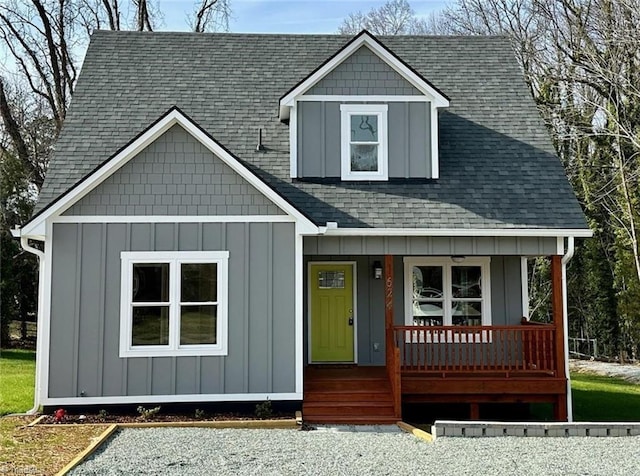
497,165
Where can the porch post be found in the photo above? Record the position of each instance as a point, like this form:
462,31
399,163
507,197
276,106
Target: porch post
388,291
392,352
388,307
557,312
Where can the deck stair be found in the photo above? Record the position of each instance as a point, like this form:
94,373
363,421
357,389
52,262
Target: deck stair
349,394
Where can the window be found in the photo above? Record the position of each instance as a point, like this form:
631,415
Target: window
331,279
439,292
173,303
364,141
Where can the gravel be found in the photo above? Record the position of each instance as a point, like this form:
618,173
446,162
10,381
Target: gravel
630,372
343,451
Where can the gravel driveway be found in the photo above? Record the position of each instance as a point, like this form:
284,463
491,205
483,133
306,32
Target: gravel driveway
204,451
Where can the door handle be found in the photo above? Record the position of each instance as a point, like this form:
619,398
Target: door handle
350,317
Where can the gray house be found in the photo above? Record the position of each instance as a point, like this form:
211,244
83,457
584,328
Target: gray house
338,221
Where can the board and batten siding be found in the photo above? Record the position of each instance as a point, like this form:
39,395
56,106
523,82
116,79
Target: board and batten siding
175,175
85,311
409,139
506,299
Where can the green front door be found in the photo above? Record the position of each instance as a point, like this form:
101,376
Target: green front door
331,289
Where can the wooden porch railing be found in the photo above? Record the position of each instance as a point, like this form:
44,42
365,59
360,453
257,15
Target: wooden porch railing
447,350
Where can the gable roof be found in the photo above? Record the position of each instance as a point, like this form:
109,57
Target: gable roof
156,129
498,169
363,39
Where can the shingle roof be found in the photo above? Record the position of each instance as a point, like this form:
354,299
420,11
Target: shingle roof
497,165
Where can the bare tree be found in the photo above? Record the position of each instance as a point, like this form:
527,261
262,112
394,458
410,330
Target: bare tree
210,15
112,11
42,39
143,15
582,61
396,17
38,39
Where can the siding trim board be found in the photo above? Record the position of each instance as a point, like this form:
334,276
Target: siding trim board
178,398
435,161
361,98
43,351
559,233
524,280
299,309
293,141
36,228
173,219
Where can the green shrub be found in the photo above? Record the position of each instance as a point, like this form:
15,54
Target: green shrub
264,410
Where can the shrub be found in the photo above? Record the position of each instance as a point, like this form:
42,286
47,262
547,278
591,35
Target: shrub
264,410
148,413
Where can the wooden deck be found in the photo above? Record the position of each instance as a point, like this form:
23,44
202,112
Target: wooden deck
474,365
364,394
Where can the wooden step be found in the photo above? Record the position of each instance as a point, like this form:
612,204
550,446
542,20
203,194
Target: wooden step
342,406
377,395
359,395
353,411
346,385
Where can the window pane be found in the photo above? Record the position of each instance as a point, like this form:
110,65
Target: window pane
331,279
151,282
199,282
150,325
198,325
364,128
427,313
466,313
364,158
466,281
427,282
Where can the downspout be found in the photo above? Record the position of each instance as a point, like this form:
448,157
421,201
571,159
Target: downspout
24,242
565,322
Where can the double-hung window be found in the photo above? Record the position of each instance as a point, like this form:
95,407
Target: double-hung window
364,142
441,292
173,303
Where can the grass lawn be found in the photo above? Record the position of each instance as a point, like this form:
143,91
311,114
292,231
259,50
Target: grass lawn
600,398
41,450
17,373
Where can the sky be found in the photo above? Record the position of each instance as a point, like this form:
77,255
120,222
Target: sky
286,16
261,16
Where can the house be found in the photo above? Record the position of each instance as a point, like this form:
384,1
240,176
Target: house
338,221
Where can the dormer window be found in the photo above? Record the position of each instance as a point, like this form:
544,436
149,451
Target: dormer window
364,142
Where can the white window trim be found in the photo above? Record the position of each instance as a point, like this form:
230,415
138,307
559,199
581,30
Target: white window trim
379,110
175,258
447,264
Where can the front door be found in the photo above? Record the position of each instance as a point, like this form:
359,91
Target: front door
331,295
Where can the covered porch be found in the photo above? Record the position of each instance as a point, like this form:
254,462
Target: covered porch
427,362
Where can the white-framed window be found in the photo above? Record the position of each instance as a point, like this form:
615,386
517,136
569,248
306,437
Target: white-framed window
364,141
173,303
441,292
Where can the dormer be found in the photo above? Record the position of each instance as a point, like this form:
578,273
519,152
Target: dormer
364,114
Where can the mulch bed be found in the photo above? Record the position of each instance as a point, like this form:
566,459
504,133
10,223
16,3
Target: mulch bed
159,418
